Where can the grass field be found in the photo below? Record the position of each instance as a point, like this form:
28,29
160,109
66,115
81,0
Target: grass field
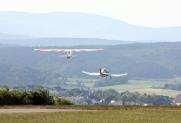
112,115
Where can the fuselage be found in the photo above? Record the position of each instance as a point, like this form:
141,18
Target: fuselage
68,54
103,72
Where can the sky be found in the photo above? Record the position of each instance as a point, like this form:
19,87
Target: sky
151,13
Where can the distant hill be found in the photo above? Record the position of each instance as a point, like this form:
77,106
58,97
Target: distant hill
22,65
8,36
58,41
79,25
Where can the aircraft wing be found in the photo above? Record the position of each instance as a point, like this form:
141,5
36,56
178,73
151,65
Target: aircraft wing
62,50
50,50
119,75
91,74
86,50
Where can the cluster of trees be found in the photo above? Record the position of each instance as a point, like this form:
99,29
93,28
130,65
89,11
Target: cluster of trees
113,97
173,87
137,98
30,97
41,96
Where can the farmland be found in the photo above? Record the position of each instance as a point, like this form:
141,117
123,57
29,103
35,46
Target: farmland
147,86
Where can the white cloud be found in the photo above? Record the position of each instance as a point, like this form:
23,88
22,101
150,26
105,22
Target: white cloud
139,12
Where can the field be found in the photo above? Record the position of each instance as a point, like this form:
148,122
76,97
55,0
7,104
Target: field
147,86
102,115
150,86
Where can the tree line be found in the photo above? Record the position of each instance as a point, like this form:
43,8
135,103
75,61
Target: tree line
106,97
29,97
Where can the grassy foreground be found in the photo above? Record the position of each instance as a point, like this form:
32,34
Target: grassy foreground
129,115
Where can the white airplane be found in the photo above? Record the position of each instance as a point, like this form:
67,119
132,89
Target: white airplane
104,73
68,52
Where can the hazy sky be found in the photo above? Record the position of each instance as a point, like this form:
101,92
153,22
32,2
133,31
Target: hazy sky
155,13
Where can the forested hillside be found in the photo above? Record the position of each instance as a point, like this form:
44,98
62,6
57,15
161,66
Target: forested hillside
23,66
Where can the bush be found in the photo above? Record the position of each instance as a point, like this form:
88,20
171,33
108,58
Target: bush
60,101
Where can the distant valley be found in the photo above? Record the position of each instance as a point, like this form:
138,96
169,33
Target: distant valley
150,56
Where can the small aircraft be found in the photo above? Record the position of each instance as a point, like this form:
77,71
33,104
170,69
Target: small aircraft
104,73
68,52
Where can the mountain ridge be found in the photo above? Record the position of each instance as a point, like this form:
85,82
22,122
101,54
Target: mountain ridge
81,25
